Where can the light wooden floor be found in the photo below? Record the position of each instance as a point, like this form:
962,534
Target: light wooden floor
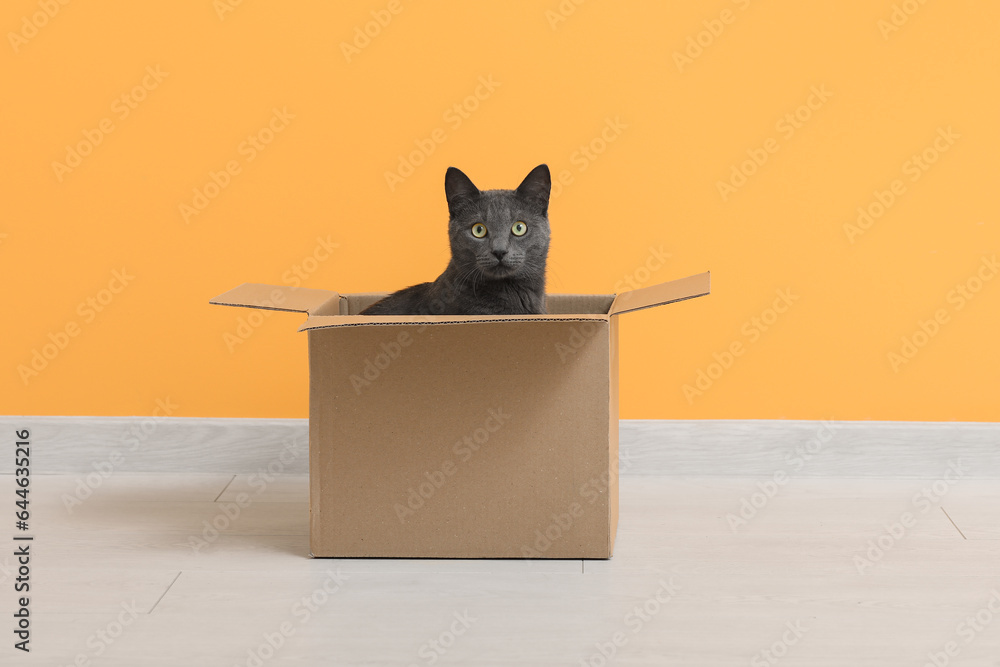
736,594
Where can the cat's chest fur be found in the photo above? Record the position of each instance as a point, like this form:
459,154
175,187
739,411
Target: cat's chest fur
509,297
441,298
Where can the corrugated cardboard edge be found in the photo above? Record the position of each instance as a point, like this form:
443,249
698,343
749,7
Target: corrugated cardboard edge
315,481
310,301
662,294
333,321
275,297
613,461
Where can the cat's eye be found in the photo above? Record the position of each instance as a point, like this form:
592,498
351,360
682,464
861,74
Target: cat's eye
519,228
479,230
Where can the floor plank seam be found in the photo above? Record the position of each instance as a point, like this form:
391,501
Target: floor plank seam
228,484
953,523
153,608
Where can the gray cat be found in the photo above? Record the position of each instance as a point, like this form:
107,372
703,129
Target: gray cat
499,244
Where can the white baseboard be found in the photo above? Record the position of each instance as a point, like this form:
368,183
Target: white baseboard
159,444
732,448
759,448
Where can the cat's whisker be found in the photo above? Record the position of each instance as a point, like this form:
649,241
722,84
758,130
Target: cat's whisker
460,282
480,272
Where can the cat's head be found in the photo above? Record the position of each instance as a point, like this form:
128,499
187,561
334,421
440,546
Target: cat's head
502,233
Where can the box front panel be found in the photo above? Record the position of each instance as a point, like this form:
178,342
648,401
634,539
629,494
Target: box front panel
471,440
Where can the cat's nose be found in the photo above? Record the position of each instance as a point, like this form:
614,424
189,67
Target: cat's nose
499,254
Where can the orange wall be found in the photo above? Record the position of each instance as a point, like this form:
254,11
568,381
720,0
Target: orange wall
664,132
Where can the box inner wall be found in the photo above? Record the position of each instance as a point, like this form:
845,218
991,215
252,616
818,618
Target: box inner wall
556,304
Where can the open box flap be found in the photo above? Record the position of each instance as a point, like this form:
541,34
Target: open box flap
328,321
275,297
664,293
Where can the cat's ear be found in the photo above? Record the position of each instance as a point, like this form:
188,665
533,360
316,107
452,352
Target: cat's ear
536,187
458,187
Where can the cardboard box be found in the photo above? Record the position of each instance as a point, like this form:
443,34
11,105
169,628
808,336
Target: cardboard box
463,436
